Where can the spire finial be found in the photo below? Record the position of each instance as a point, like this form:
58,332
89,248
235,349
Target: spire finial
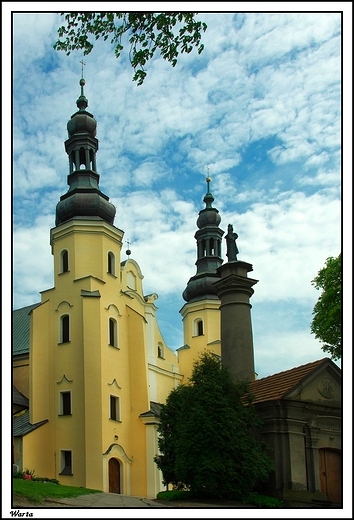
82,102
208,199
208,179
82,68
128,252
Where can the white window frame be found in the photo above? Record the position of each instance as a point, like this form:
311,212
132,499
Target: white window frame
117,408
61,403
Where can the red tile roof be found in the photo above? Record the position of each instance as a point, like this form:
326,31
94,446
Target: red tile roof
274,387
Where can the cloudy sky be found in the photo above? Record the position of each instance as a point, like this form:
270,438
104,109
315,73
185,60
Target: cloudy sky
260,107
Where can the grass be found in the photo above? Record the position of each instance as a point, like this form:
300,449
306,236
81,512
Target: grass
39,491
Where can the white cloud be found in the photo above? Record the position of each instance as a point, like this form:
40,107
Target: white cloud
156,140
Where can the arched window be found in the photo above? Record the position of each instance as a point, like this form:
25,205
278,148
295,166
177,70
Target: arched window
111,265
160,350
64,261
112,333
198,327
65,328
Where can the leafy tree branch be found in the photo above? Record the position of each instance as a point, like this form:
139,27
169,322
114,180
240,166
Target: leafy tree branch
169,33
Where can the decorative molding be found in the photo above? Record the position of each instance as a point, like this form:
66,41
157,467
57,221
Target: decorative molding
64,378
150,298
88,277
64,302
327,388
114,382
120,449
92,294
115,307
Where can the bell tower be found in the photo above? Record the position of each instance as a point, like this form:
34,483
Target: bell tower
200,314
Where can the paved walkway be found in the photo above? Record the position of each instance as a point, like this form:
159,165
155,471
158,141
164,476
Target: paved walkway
101,500
113,500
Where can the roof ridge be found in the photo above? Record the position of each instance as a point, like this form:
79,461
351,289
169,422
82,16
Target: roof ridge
318,361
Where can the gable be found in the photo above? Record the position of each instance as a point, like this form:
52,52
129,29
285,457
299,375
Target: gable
323,386
318,381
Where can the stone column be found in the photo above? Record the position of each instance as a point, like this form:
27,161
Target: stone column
234,290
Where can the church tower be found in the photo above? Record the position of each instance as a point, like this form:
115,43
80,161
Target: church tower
98,363
200,313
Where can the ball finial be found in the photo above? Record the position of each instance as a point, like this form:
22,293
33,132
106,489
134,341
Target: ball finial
82,82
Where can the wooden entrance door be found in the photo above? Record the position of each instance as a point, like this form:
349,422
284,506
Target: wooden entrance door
330,474
114,476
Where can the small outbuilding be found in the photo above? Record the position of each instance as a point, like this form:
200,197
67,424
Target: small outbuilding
301,409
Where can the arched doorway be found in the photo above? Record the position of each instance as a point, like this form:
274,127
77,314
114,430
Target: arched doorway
114,475
330,473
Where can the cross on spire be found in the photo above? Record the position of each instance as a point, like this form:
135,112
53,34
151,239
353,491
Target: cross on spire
82,68
128,252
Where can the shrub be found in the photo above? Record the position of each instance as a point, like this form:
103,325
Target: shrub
262,500
45,479
29,475
175,494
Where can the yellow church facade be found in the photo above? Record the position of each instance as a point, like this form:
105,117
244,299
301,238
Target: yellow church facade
98,368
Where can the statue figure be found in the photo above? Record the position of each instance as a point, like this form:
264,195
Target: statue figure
232,250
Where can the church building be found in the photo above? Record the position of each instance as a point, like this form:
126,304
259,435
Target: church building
91,368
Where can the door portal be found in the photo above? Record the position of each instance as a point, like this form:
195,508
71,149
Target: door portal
114,476
330,474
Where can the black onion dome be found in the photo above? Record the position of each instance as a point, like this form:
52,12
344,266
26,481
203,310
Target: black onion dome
87,205
82,121
208,217
201,287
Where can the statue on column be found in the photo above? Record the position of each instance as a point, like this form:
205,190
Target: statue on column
231,246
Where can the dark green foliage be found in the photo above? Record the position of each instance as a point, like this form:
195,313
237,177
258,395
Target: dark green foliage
262,500
175,494
170,33
17,474
327,313
206,442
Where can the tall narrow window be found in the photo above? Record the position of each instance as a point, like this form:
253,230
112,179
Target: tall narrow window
113,340
65,403
111,263
160,350
65,329
198,327
114,408
64,261
66,462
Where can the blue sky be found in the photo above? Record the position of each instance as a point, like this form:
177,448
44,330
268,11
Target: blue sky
261,108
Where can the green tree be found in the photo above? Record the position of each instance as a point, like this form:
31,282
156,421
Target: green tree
206,441
170,33
327,313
